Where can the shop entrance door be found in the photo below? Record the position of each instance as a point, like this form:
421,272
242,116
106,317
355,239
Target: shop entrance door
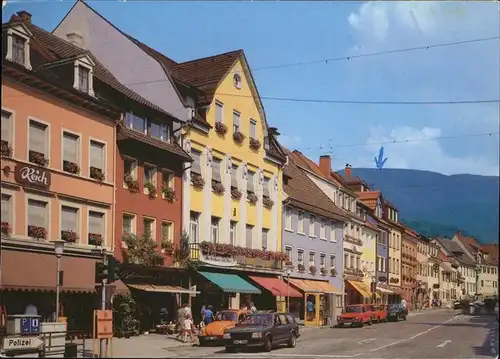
311,309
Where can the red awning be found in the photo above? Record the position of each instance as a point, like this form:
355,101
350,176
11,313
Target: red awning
276,286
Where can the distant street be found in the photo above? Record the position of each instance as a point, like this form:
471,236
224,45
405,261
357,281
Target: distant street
432,334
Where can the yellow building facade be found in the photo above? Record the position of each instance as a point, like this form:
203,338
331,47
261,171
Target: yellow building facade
369,250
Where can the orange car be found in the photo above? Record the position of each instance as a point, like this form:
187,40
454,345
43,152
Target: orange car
224,320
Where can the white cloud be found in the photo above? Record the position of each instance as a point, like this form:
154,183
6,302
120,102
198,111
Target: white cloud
420,151
290,141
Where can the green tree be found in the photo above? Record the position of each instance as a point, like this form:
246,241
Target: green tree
142,250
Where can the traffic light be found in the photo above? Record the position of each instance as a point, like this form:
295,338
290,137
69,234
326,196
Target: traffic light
101,272
109,271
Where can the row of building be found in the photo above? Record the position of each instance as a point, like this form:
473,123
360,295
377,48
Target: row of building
107,143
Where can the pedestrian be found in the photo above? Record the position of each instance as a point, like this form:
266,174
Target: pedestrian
202,312
209,315
188,328
181,316
310,309
253,308
403,303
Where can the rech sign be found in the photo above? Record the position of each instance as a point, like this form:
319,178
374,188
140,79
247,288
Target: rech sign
32,175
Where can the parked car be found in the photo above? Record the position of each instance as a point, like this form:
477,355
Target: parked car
396,312
224,320
379,313
356,315
266,330
457,304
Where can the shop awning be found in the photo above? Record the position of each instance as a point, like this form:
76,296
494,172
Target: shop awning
361,287
230,283
314,286
384,290
162,288
276,286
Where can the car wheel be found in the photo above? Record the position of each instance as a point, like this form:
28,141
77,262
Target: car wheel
370,321
231,350
404,318
268,344
292,342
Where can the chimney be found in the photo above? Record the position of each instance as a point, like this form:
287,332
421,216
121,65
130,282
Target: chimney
325,165
24,15
347,171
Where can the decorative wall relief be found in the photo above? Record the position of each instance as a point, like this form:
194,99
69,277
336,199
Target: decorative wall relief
245,169
187,145
229,164
209,157
261,176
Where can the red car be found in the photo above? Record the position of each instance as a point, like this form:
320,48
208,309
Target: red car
379,313
356,315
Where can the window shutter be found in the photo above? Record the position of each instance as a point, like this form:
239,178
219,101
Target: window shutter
37,137
97,155
249,237
265,186
264,238
219,112
6,126
250,181
96,223
196,166
6,209
234,180
69,218
216,175
37,213
70,148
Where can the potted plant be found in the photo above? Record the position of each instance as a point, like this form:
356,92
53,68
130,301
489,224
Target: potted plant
254,144
167,245
312,269
96,173
218,188
197,181
71,167
69,236
333,272
289,264
37,232
220,128
252,198
300,267
267,202
132,184
6,228
323,271
151,189
238,137
236,194
38,158
95,239
6,149
168,194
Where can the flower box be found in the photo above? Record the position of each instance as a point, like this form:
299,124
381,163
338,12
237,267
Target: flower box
95,239
197,181
236,194
229,250
151,189
254,144
69,236
267,202
71,167
252,198
300,267
37,232
167,245
6,228
38,158
6,149
323,271
313,270
333,272
288,264
238,137
132,184
96,173
220,128
218,188
168,194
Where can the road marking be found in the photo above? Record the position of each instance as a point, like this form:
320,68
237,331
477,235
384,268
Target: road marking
443,344
413,337
366,340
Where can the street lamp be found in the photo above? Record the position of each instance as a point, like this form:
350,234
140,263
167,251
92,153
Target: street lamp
288,272
58,250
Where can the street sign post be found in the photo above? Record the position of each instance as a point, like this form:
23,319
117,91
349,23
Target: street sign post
30,325
22,343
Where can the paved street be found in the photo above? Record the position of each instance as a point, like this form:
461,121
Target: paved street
432,334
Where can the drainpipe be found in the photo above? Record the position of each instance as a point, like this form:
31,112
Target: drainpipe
113,215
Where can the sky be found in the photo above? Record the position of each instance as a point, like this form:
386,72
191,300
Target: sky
278,33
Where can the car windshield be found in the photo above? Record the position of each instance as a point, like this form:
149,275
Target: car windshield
354,309
257,319
227,316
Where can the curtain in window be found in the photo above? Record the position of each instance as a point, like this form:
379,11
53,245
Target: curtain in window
149,174
165,231
70,148
236,121
37,137
234,181
249,236
196,166
69,219
37,213
127,224
5,126
250,180
253,129
232,233
6,208
97,155
264,238
265,187
96,223
18,49
166,178
216,174
219,112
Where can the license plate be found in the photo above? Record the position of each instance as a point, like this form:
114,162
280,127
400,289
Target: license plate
240,341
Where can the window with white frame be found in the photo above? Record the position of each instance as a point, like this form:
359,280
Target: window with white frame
149,177
333,261
288,252
194,234
97,160
250,181
347,264
236,121
69,220
38,142
6,213
300,222
196,165
265,233
7,133
38,217
167,179
322,229
253,129
249,236
130,168
148,227
83,78
167,231
232,232
312,226
322,259
158,130
312,258
358,260
216,170
234,176
300,256
19,53
219,112
135,122
96,225
288,218
71,153
332,232
265,187
128,223
214,230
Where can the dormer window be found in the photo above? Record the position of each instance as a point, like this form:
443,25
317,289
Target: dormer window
83,79
18,46
83,73
18,50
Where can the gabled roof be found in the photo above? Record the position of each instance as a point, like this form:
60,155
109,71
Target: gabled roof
369,198
491,249
304,194
454,249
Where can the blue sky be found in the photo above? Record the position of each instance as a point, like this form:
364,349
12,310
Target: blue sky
275,33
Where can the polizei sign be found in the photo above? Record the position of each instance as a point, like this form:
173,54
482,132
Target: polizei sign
22,343
32,175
